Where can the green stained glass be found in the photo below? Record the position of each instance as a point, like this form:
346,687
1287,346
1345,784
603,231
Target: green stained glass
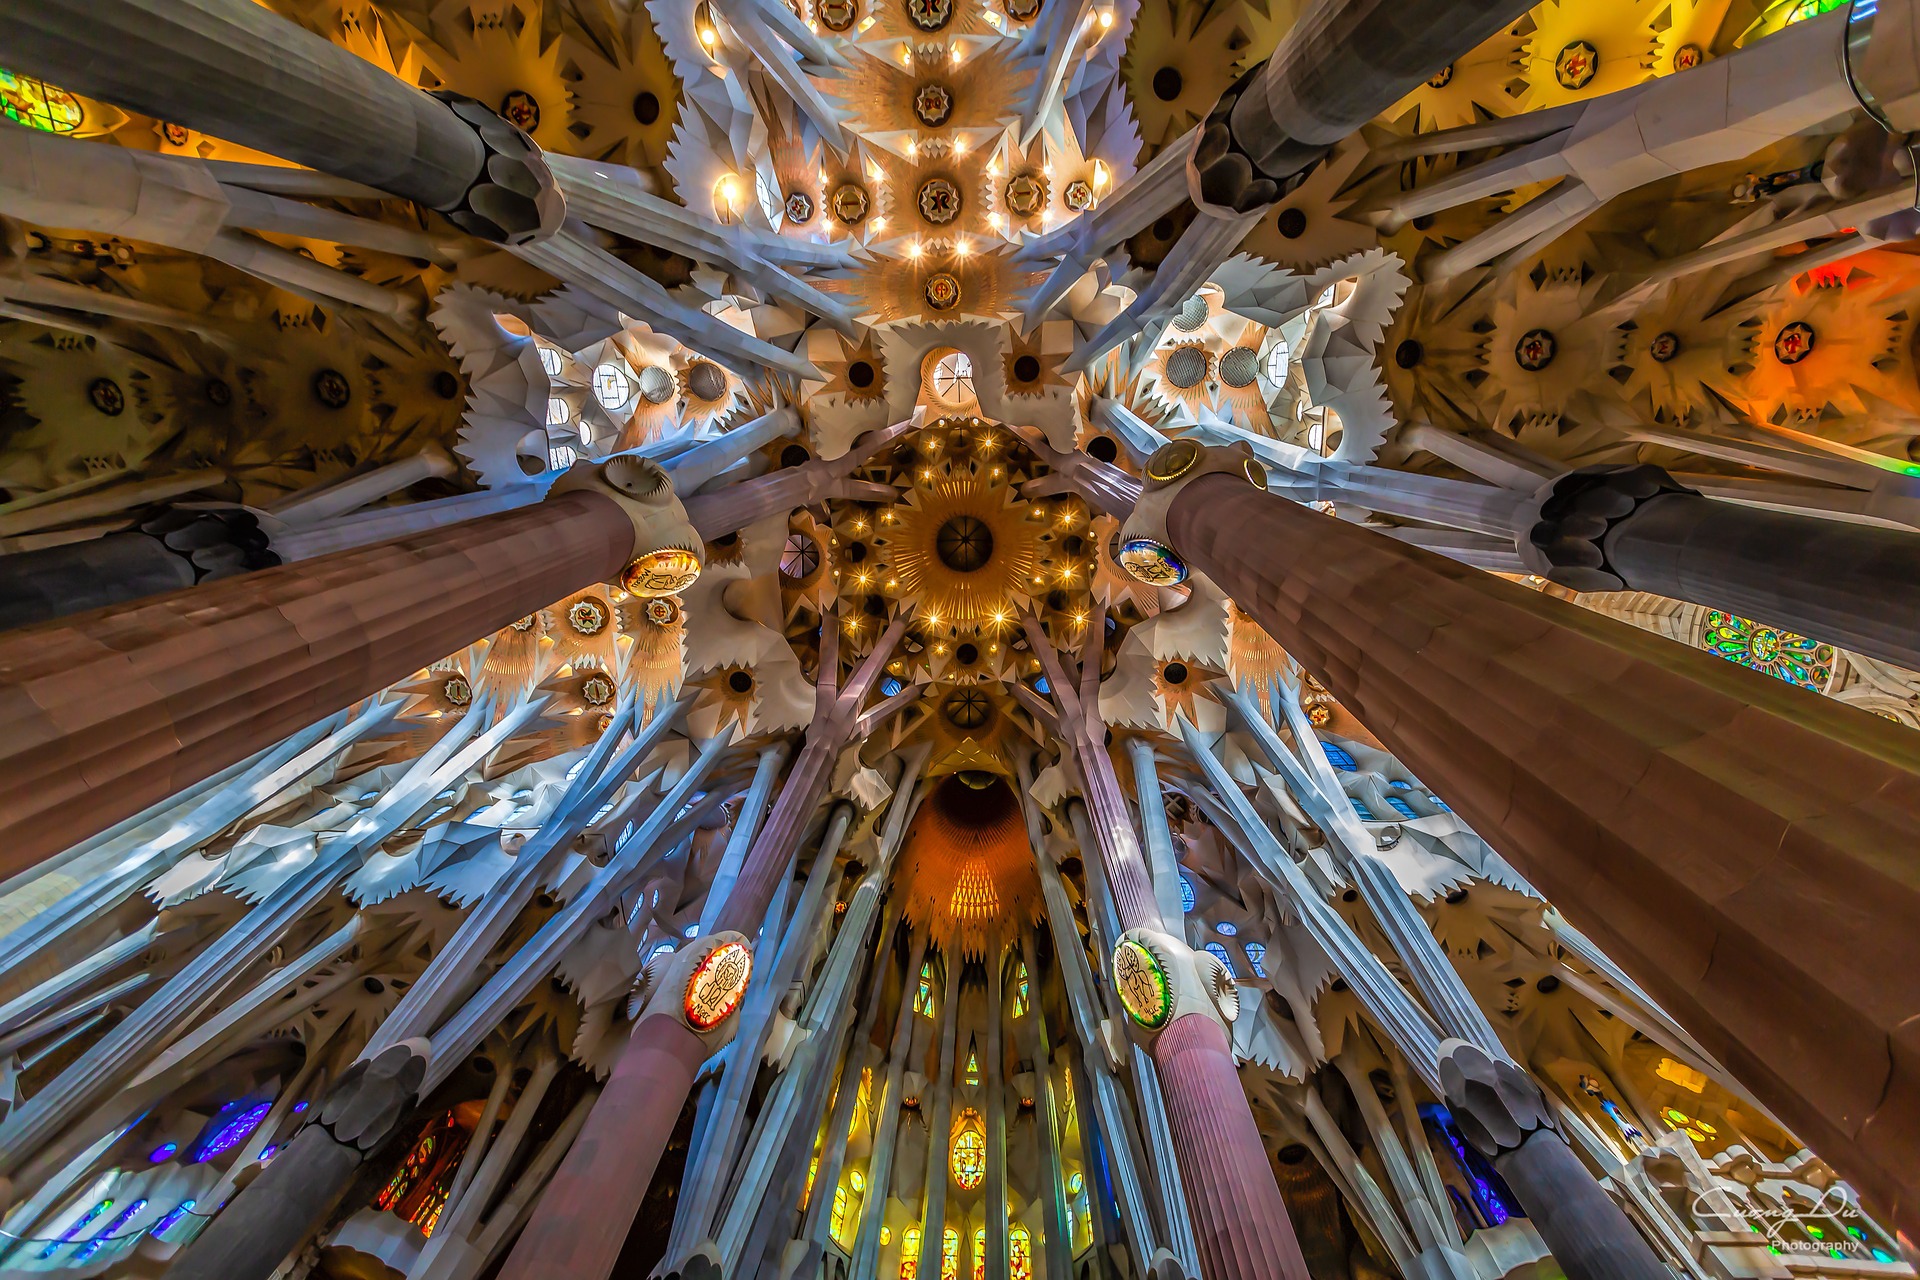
1791,657
1812,9
39,105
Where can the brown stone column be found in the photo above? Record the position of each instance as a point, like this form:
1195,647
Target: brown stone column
1741,847
105,713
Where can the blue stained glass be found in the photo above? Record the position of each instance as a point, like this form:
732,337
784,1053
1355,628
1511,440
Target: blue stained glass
1226,929
890,685
164,1152
1366,814
1340,757
1186,894
170,1217
86,1220
1401,784
1438,803
120,1220
1219,952
240,1120
1256,958
1490,1192
1041,686
298,1107
1401,807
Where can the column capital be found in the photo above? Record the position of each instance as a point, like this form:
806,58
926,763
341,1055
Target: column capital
1561,534
701,985
513,199
1496,1104
665,559
1222,177
1146,548
1161,980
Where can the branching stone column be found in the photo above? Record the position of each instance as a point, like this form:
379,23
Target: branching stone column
873,1210
238,71
933,1215
1675,806
1637,529
205,678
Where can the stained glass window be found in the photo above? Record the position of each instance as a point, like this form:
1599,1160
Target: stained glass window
1256,958
979,1253
973,1065
230,1128
1339,757
85,1221
949,1254
1020,999
910,1253
1219,952
1784,654
1186,894
969,1152
1226,928
105,1233
170,1217
1365,814
39,105
923,998
1019,1253
1401,784
1438,803
890,685
164,1152
1401,807
839,1223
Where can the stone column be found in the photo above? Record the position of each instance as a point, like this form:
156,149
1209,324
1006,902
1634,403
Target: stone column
1675,806
873,1210
995,1077
1342,64
939,1109
200,680
1637,529
1046,1110
1161,860
238,71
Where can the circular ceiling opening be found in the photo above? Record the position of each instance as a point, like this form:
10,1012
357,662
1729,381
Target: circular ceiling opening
1103,449
967,655
964,544
967,709
1167,83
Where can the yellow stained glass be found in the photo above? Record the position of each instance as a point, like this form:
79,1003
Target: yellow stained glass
969,1150
839,1223
979,1253
909,1253
38,105
1019,1253
949,1254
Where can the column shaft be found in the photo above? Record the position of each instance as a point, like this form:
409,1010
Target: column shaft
1676,806
241,72
1239,1220
56,581
201,679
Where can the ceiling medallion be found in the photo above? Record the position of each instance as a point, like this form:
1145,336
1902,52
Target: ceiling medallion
717,985
1172,460
331,388
850,202
587,616
666,572
1794,343
942,292
930,15
939,201
1687,57
524,624
837,15
1535,350
1187,367
520,110
933,103
596,690
1441,78
1576,65
1078,196
1026,193
662,612
1141,980
1153,563
1664,347
799,207
457,691
106,396
1022,10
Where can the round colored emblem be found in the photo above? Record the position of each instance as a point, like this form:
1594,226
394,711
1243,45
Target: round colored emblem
1441,78
933,103
1142,984
1152,562
942,292
106,396
1172,460
1078,195
717,986
850,202
930,15
457,691
596,690
520,109
799,207
1025,194
1687,57
666,572
1764,646
175,134
1664,347
1535,350
586,616
939,201
1794,343
1576,65
662,612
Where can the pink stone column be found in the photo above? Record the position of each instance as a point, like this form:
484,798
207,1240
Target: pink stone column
586,1211
1239,1218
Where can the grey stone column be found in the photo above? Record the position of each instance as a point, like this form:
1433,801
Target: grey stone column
1059,1230
873,1210
1343,63
996,1079
239,71
933,1218
1162,864
1636,528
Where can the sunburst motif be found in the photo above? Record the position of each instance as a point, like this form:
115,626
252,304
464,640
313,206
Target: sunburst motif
958,513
